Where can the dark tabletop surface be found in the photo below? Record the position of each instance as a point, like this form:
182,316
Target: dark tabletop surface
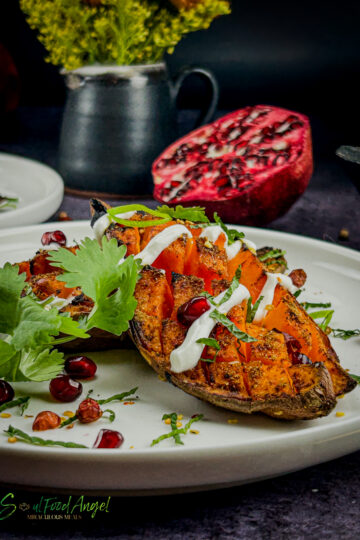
319,502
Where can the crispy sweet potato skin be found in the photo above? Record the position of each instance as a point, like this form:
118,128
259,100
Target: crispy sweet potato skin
256,377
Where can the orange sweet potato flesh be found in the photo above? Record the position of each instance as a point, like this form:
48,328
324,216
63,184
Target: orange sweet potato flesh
246,377
265,368
253,377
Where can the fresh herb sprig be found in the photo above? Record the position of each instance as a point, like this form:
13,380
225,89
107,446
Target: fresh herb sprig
29,331
210,342
22,402
196,214
99,271
272,254
345,334
178,431
222,319
326,316
252,309
118,397
24,437
355,377
308,305
173,422
232,234
8,202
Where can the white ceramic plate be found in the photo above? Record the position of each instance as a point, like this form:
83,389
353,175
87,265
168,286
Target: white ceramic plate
39,189
221,454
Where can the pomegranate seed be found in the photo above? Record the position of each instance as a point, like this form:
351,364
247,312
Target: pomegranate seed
107,438
53,237
80,367
63,388
46,420
88,411
293,348
192,310
6,392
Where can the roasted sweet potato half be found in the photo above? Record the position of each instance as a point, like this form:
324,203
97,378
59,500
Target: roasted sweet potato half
261,376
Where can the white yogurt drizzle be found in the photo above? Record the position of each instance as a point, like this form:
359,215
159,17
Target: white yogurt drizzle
160,242
104,221
187,355
213,232
268,292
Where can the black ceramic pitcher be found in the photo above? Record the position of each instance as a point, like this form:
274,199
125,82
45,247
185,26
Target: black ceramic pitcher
116,121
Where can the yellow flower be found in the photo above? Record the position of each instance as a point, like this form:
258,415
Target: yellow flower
120,31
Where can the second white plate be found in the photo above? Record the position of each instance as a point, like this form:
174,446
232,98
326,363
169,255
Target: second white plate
39,189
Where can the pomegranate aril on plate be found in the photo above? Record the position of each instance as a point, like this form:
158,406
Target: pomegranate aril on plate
6,392
46,420
88,411
107,438
53,237
192,310
65,389
80,367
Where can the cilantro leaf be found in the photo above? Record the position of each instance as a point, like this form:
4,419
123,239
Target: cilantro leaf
11,286
105,277
35,325
41,364
232,234
112,313
93,267
28,331
192,213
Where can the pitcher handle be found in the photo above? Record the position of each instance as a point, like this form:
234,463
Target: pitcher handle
207,113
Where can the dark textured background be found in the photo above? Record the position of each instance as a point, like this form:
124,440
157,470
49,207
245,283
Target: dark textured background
304,56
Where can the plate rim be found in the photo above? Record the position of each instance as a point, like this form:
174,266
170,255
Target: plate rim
56,185
333,247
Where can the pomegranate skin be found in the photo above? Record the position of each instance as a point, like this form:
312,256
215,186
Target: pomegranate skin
249,182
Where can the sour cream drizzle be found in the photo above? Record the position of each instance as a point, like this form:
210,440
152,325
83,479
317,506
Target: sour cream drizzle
160,242
187,355
268,292
213,232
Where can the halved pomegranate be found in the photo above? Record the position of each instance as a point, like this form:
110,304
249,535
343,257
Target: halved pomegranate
250,166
